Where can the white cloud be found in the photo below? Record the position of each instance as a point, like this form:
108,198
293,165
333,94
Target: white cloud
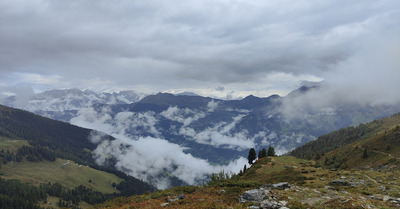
156,156
212,105
185,116
219,135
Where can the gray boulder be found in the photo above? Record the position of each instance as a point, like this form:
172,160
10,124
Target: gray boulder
254,195
272,205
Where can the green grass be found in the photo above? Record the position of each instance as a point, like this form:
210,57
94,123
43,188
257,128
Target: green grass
289,160
53,201
11,144
69,176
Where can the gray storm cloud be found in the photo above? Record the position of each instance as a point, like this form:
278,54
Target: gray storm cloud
151,44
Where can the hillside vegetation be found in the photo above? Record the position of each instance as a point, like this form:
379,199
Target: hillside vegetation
362,173
308,187
70,175
45,158
345,136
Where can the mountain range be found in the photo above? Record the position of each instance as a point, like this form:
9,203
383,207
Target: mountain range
189,131
353,167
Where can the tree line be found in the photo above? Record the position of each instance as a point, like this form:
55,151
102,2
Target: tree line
262,153
14,194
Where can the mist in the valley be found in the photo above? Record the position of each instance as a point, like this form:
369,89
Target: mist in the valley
148,158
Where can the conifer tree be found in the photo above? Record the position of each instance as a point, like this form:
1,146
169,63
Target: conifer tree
271,151
252,155
365,154
264,152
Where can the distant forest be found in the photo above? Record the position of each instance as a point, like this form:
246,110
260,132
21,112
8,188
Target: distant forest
49,139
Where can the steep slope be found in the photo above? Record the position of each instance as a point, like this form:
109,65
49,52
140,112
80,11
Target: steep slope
33,147
70,139
379,150
365,133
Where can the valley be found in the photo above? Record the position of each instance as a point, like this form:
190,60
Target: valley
351,167
221,104
202,131
339,178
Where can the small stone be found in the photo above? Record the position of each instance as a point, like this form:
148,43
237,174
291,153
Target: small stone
329,187
374,198
164,204
283,202
282,185
386,198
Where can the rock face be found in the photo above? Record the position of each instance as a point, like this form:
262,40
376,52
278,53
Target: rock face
254,195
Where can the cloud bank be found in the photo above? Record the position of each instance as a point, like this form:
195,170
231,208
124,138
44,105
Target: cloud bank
148,158
222,48
141,151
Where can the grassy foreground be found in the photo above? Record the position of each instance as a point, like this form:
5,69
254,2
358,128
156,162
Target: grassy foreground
310,188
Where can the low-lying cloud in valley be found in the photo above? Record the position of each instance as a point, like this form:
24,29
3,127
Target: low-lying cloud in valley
150,157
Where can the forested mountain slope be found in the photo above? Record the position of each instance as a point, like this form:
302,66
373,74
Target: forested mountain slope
345,136
47,152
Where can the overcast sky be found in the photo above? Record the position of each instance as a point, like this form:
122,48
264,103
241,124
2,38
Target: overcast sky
211,47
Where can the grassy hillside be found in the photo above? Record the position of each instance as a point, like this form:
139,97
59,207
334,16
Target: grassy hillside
11,144
33,151
357,168
381,149
345,136
69,176
310,187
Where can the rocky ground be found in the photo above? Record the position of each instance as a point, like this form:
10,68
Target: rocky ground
264,186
